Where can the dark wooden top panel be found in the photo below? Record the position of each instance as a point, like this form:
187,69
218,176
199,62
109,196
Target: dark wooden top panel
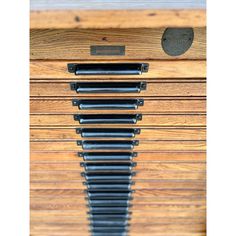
115,4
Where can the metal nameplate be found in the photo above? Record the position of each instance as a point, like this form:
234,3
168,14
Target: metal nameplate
107,50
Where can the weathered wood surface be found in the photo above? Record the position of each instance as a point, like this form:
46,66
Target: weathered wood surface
158,120
54,134
172,69
163,88
139,44
143,146
154,106
161,157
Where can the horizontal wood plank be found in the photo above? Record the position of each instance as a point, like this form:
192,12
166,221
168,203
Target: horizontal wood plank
55,106
188,69
69,134
163,157
97,19
157,89
143,146
141,44
160,120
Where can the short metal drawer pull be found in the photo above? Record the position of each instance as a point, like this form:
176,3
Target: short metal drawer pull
109,194
108,118
105,203
104,104
109,186
108,68
108,145
108,87
107,132
107,156
109,166
109,229
108,177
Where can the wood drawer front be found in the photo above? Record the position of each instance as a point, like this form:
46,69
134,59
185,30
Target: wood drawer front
52,134
158,157
176,69
139,43
168,120
157,89
56,106
143,146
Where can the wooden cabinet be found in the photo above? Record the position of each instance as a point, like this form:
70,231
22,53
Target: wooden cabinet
114,153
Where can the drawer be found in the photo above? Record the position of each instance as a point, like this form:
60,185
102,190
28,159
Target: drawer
177,69
158,89
184,120
163,157
140,167
129,44
111,105
53,134
119,145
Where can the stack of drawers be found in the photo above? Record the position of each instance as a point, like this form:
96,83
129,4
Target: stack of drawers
117,143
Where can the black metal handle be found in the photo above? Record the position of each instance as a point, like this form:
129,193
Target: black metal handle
105,203
108,210
104,104
107,156
109,229
103,222
109,186
108,177
108,87
108,166
109,234
107,132
108,145
108,68
110,217
109,194
108,118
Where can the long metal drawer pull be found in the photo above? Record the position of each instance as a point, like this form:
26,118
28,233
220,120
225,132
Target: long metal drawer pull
108,118
109,222
107,132
109,186
109,194
108,87
107,156
109,234
109,166
108,177
105,104
107,68
109,229
104,203
108,145
110,217
109,210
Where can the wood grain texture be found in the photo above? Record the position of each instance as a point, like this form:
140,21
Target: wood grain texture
157,89
160,120
143,146
97,19
142,156
59,178
56,106
54,134
188,69
139,44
